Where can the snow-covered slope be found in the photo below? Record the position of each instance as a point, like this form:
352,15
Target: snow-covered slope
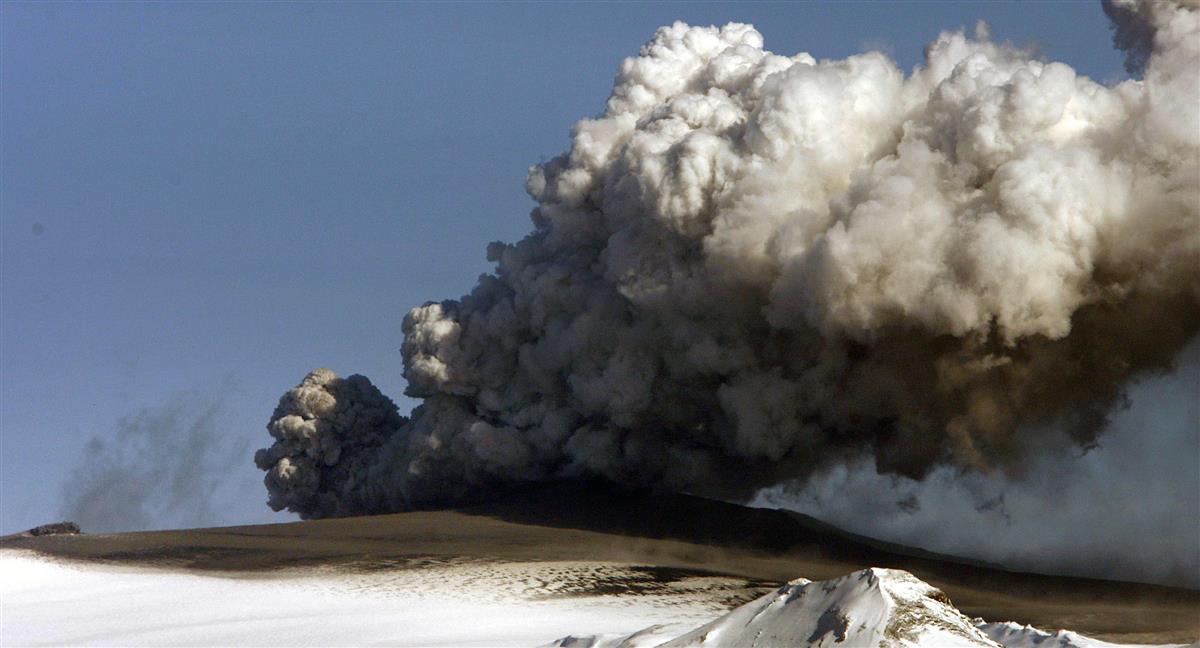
872,607
1015,635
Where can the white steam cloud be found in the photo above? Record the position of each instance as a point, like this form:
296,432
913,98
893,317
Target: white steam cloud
1127,509
751,267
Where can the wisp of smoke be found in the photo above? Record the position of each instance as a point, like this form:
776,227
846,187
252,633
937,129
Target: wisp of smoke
163,467
751,267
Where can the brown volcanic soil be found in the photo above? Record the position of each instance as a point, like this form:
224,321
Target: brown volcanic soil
650,531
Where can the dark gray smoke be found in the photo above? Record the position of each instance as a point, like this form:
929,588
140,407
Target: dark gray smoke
751,267
163,467
1135,24
1133,32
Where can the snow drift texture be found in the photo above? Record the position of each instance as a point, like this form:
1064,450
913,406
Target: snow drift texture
753,265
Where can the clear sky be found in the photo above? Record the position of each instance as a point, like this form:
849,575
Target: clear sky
201,202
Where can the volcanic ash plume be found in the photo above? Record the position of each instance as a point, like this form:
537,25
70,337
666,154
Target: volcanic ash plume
751,266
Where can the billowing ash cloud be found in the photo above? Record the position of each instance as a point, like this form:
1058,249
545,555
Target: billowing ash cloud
328,431
752,266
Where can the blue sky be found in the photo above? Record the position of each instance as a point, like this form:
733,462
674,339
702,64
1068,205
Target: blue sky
201,202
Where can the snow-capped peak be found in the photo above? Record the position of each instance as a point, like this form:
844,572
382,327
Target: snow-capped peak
873,607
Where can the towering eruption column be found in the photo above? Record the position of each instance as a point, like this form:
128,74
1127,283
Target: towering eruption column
753,265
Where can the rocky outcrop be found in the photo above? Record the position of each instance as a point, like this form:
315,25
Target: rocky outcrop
56,528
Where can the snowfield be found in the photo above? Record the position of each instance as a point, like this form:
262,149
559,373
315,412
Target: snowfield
475,603
48,603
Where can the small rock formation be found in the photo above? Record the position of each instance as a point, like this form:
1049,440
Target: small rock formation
57,528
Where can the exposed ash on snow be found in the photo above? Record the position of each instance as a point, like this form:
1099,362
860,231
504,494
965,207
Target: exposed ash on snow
753,266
